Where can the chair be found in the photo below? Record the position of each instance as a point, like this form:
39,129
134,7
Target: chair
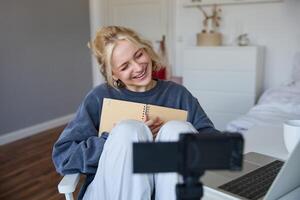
68,184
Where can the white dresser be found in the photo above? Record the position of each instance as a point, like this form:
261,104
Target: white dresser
226,80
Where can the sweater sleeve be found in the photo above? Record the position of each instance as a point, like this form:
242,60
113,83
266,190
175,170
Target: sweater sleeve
199,118
78,148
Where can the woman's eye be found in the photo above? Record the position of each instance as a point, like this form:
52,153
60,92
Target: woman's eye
124,67
139,54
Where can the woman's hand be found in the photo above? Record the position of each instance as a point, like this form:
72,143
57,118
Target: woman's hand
154,125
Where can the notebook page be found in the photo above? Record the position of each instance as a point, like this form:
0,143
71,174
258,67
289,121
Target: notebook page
113,111
166,114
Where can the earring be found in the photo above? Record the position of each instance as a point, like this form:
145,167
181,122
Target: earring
117,83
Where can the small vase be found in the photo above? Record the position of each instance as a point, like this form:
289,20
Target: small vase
209,39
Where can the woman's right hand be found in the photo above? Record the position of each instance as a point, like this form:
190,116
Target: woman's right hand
154,125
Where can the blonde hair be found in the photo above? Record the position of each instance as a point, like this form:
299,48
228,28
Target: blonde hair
104,43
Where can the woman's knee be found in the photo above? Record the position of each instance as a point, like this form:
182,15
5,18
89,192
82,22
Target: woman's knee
172,129
131,130
178,127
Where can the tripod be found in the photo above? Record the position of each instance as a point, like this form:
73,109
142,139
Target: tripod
190,189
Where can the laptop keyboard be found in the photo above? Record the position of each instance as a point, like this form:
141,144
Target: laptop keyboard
255,184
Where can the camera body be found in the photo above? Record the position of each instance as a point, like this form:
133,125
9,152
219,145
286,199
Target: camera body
190,157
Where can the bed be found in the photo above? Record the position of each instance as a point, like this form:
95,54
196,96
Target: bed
275,106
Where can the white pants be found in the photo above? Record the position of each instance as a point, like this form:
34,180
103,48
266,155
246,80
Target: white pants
114,179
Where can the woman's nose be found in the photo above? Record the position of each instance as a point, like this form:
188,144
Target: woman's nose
136,66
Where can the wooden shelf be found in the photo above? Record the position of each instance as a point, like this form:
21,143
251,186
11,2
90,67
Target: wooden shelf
192,3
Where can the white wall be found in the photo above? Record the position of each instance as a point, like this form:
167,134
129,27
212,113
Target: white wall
273,25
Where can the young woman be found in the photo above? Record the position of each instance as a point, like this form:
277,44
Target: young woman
127,62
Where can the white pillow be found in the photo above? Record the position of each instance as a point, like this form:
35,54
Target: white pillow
296,67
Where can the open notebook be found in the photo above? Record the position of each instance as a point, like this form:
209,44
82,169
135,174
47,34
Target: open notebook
114,111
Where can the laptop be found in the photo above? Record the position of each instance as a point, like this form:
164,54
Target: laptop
262,177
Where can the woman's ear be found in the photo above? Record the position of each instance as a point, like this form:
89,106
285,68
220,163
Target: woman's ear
115,78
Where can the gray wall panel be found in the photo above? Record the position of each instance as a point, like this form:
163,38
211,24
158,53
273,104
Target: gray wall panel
45,68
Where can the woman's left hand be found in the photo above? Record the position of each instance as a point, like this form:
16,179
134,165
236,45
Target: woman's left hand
154,125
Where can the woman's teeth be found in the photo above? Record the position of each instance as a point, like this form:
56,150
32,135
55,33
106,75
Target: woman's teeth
141,75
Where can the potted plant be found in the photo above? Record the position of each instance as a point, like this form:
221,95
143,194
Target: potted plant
210,35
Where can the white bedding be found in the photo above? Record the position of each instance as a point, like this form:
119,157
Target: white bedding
275,106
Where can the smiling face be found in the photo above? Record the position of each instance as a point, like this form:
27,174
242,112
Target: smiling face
133,66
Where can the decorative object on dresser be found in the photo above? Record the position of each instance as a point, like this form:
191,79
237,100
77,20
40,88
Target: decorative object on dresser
225,80
209,35
243,40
